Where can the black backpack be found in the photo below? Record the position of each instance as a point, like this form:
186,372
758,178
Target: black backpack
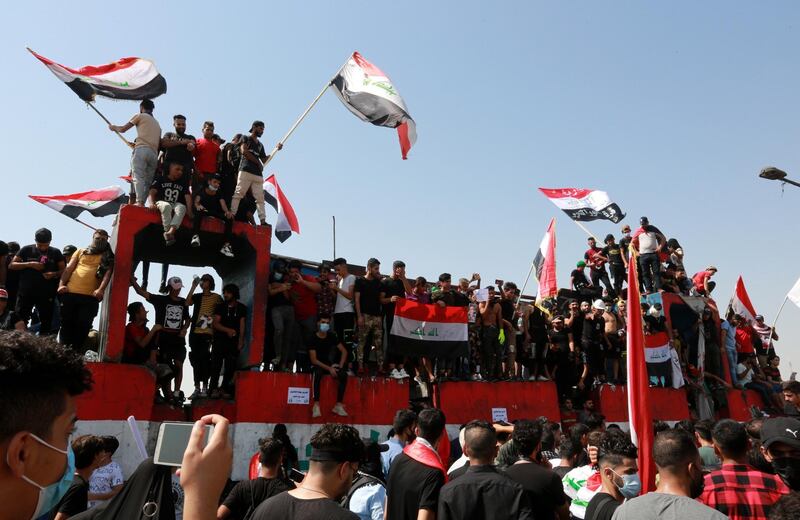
362,480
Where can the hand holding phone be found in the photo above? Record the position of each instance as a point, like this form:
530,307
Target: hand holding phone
206,467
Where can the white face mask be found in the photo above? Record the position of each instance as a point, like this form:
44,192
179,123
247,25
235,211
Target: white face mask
50,495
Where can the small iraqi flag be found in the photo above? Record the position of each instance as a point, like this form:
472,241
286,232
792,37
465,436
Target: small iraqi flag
741,304
545,264
582,204
100,203
128,78
369,94
287,220
421,329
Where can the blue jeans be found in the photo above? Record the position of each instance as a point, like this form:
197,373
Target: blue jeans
651,271
732,366
143,169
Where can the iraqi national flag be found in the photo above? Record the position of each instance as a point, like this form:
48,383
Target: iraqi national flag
287,220
657,353
128,78
369,94
100,203
544,264
640,414
741,304
582,204
429,330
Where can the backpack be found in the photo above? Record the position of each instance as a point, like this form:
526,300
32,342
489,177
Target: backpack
362,480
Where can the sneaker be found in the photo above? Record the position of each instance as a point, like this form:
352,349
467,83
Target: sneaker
214,394
395,374
339,410
533,378
203,394
195,394
315,412
227,251
196,241
476,377
159,400
403,374
543,378
178,397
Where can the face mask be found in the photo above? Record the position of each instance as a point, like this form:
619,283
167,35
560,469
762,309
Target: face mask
278,276
788,468
655,312
324,327
631,485
49,496
212,187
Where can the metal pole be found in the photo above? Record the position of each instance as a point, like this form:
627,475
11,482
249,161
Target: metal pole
302,116
85,224
334,237
522,291
771,330
90,105
583,228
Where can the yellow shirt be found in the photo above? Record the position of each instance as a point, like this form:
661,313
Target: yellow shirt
204,312
84,278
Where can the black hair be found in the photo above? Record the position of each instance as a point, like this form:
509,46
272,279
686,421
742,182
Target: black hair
673,243
339,438
569,449
323,316
615,446
753,428
257,123
730,437
110,443
339,261
178,116
373,262
526,436
686,425
270,450
703,429
43,236
548,438
509,285
786,508
207,277
578,431
791,386
231,288
36,374
445,277
403,419
431,422
295,264
595,421
13,247
86,448
660,426
674,448
398,264
133,310
481,439
147,104
209,123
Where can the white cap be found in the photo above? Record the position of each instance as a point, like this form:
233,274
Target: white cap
599,304
176,283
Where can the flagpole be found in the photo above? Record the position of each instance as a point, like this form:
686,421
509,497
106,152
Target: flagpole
85,224
104,118
334,236
527,279
300,119
772,330
583,228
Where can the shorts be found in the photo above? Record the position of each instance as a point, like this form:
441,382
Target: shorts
171,347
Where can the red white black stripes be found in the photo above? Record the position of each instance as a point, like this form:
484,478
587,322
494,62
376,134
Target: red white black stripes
429,330
287,220
582,204
100,203
369,94
545,264
127,78
741,304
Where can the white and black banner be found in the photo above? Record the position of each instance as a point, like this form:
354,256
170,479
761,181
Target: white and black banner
583,204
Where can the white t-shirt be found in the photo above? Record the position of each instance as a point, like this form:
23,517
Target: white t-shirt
743,380
343,304
103,480
648,242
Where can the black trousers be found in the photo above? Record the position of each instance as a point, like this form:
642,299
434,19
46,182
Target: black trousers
224,350
200,357
77,314
490,353
318,373
618,274
601,275
198,220
44,301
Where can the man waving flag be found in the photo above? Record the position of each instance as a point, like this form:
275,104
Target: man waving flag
369,94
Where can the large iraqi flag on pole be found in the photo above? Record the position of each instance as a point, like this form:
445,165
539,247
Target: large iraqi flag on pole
421,329
287,220
369,94
583,205
127,78
639,411
100,203
740,302
545,264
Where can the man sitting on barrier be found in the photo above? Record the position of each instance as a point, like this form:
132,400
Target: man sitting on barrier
169,195
328,356
209,203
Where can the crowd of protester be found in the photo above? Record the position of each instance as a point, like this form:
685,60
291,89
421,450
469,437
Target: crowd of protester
533,468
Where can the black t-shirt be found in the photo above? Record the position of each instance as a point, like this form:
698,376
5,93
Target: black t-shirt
614,254
326,348
256,148
8,319
30,279
253,492
285,505
370,295
579,279
507,309
577,326
537,325
559,339
412,486
543,487
392,287
170,191
601,507
76,500
169,313
230,316
593,329
3,248
179,154
211,201
278,299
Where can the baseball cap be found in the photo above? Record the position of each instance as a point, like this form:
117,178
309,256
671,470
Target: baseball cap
608,238
759,317
711,268
599,304
69,249
781,429
580,263
3,294
644,221
373,449
175,282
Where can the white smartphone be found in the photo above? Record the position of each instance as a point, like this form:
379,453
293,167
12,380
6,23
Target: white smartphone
173,437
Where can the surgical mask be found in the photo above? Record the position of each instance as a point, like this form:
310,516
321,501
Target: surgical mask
656,313
278,276
788,468
212,187
49,496
324,327
631,485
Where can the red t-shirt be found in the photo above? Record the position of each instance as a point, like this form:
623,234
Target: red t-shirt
744,340
699,280
133,332
205,156
304,299
591,256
